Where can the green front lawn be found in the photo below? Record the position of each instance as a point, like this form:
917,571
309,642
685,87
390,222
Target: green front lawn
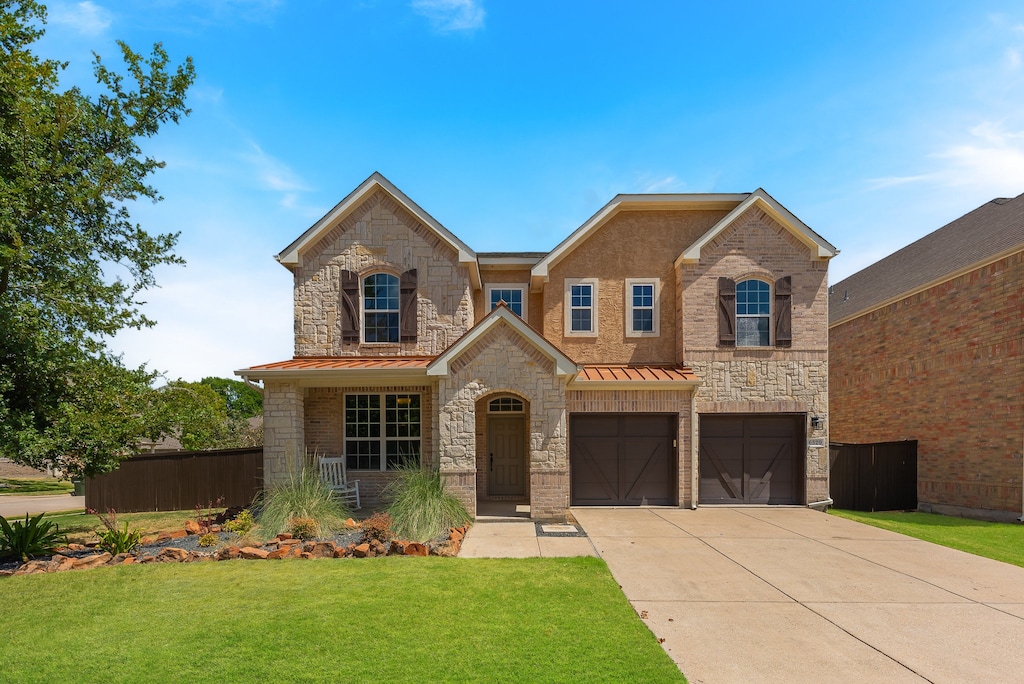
1001,541
373,620
81,527
30,486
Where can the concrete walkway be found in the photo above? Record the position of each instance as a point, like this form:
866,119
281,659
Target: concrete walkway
15,506
519,539
794,595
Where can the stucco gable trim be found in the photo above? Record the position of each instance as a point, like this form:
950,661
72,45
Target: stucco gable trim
291,255
501,314
539,273
821,249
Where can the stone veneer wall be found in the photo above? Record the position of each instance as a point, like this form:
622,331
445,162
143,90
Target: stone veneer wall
502,361
283,431
325,431
645,401
945,367
380,235
773,386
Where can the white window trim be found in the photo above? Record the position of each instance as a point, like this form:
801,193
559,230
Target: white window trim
770,314
362,310
569,332
522,287
630,282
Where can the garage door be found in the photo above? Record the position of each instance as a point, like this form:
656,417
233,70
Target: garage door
622,460
751,459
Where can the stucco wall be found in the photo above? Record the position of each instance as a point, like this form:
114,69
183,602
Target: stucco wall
944,367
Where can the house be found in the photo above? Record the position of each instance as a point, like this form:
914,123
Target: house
926,345
670,351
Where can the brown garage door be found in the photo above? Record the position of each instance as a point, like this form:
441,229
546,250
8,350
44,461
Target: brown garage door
751,459
622,460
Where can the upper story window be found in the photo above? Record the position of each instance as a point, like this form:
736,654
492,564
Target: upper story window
753,311
751,315
513,295
380,308
581,306
642,307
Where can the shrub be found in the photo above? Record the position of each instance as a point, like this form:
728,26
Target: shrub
34,537
304,528
302,495
205,519
208,539
377,527
420,507
114,540
242,524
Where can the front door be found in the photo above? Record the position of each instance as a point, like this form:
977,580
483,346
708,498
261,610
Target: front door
506,441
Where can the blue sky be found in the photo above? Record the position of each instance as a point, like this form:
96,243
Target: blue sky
513,122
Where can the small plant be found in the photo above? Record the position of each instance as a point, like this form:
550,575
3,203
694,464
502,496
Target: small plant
206,519
302,495
377,527
422,510
208,539
34,537
242,524
115,540
304,528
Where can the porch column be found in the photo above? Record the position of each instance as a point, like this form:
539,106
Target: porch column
456,444
284,440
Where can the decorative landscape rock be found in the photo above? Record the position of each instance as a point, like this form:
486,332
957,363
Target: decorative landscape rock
283,546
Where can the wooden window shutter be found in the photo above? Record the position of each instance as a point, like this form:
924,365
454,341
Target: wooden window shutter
349,306
784,312
407,306
727,312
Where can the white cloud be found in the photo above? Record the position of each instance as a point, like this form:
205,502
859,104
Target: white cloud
274,174
85,17
451,15
666,184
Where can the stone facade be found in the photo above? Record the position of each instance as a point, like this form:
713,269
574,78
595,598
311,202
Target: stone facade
945,367
381,236
283,430
502,362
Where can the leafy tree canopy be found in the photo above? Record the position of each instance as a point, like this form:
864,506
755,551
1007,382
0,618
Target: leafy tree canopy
72,261
242,399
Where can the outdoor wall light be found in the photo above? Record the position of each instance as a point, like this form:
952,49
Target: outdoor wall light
816,422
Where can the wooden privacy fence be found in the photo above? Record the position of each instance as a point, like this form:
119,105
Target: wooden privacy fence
874,477
178,480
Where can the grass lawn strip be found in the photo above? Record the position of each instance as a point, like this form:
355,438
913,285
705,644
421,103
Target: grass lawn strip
387,619
33,486
999,541
81,527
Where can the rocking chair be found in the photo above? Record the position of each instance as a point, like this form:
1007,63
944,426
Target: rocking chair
332,471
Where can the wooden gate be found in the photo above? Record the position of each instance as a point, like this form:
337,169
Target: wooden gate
874,477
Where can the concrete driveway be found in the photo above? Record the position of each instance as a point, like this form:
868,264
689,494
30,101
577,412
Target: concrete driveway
794,595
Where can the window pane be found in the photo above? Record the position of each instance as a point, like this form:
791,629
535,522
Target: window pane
403,453
361,455
643,295
581,295
752,332
643,320
581,320
513,298
752,298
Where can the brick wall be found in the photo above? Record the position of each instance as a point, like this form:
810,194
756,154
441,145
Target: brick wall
944,367
380,235
324,426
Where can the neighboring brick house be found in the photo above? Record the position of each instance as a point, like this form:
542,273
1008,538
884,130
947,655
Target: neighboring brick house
926,345
667,331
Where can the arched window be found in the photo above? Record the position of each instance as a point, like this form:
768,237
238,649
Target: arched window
753,313
380,308
505,405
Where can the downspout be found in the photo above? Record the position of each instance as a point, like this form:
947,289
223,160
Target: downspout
695,451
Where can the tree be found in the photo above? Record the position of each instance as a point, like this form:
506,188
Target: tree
72,261
242,399
197,416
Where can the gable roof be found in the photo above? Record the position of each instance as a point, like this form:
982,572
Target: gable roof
736,203
502,314
539,273
819,246
990,232
289,256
